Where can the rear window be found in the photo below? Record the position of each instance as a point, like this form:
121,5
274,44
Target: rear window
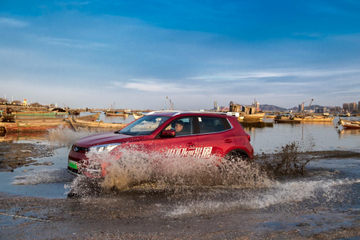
213,124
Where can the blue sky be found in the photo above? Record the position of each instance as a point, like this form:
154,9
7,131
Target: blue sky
135,53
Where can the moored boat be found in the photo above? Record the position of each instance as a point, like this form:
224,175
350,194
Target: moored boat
41,113
317,119
117,114
254,117
90,118
286,118
137,115
78,124
32,126
35,113
349,124
345,115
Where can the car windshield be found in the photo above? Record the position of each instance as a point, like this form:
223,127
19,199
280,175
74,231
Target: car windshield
144,126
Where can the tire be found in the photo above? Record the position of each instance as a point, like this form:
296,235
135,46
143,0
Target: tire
236,156
233,162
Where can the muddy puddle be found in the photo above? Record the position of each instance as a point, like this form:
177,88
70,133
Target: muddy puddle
185,201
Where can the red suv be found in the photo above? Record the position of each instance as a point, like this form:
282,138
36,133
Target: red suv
195,134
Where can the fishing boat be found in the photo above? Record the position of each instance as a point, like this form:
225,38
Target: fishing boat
32,126
53,112
317,119
90,118
286,118
116,114
349,124
79,124
7,117
345,115
270,116
137,115
35,113
74,112
253,117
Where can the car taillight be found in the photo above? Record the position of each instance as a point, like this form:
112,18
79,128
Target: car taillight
248,137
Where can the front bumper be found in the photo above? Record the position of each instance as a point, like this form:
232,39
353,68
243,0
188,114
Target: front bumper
88,170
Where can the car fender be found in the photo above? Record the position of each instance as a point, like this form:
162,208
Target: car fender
239,150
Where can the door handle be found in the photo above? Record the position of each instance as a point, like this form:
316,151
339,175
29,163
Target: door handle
228,140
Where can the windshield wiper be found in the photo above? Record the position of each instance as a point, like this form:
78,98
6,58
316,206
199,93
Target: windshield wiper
119,132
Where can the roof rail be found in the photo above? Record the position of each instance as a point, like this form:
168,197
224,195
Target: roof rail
177,112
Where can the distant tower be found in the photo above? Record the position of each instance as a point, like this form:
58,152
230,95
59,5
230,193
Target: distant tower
25,102
301,107
256,104
215,105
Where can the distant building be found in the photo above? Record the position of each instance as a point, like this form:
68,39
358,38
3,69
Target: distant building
336,109
320,110
25,103
16,102
256,104
3,101
352,107
215,105
359,106
345,107
301,108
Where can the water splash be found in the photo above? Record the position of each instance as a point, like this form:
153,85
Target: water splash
65,137
279,193
149,172
83,187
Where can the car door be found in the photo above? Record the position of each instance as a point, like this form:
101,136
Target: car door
183,144
215,136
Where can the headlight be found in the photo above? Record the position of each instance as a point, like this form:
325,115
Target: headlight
104,148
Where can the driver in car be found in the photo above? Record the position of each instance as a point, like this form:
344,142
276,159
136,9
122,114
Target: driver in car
179,125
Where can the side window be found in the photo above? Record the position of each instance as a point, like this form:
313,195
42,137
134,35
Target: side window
212,124
182,126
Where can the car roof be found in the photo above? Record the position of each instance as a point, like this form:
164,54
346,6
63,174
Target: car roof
172,113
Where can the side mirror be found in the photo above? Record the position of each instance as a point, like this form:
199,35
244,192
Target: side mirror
168,134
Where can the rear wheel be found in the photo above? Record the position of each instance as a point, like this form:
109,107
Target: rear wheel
236,162
236,156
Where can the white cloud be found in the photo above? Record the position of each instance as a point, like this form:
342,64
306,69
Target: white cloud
73,3
73,43
154,85
12,22
272,74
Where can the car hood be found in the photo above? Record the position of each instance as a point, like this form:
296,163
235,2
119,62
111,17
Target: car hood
106,138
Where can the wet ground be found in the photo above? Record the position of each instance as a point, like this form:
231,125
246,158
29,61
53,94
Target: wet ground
322,204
